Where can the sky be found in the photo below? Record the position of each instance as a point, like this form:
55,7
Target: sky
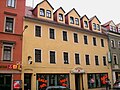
105,10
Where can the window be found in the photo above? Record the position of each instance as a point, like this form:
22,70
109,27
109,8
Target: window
75,38
98,27
71,20
118,30
77,21
115,59
87,59
9,24
85,39
77,59
86,24
112,43
37,55
52,33
94,26
7,52
60,17
38,31
65,54
104,61
114,29
102,43
97,80
111,28
64,36
42,12
48,14
11,3
94,41
118,44
96,60
52,56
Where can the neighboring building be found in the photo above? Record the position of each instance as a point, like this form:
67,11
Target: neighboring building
11,28
113,32
61,49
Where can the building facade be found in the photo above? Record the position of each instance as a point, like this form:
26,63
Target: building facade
113,32
62,49
11,28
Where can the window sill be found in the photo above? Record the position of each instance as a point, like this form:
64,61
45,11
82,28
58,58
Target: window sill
5,61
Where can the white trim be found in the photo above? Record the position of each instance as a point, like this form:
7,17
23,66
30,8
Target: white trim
11,6
68,57
77,38
79,58
55,57
49,33
67,35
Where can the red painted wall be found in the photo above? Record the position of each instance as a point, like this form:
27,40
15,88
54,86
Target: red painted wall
19,11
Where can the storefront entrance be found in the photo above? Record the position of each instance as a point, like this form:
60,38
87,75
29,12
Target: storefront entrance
27,81
77,81
5,81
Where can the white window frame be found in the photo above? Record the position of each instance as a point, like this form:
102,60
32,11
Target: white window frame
113,42
60,17
35,30
79,58
86,24
68,57
11,51
15,2
49,33
34,55
55,57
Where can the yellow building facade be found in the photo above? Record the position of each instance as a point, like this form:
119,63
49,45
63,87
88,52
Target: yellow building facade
63,53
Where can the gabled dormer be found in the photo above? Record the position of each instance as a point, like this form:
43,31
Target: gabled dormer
118,27
43,10
84,22
72,18
59,15
110,26
95,24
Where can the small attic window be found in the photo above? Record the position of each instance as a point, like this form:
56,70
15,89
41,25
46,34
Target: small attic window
114,29
71,20
77,21
60,17
118,30
98,27
42,12
94,26
86,24
48,14
111,28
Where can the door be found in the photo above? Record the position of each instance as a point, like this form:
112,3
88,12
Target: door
27,81
77,81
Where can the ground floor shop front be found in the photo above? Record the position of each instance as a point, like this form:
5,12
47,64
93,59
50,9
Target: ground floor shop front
76,79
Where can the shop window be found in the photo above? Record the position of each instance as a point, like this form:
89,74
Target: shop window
97,80
37,55
52,56
71,20
48,14
104,61
94,41
38,31
77,58
64,35
42,12
7,52
44,80
86,24
75,37
76,21
85,39
9,24
65,54
52,33
102,43
87,59
60,17
11,3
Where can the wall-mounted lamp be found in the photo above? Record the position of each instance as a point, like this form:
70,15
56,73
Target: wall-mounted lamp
29,60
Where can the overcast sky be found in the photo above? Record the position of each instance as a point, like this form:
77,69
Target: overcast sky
105,10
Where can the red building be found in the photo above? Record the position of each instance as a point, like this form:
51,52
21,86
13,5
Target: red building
11,28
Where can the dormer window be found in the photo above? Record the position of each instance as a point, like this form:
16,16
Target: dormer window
86,24
114,29
71,20
94,26
77,21
98,27
11,3
60,17
48,14
118,30
111,28
42,12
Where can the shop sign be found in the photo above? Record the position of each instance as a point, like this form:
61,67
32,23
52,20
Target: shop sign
77,70
15,67
17,84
